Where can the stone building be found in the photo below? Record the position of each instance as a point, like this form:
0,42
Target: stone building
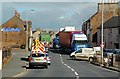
0,39
14,33
91,25
111,33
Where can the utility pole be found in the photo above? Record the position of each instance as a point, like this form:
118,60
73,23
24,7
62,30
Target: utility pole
26,31
102,33
28,38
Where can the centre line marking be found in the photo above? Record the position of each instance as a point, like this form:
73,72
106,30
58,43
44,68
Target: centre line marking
77,76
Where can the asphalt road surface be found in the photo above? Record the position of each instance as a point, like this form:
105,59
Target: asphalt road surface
64,67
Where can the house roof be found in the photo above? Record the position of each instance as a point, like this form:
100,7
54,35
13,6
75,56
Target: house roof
14,17
111,23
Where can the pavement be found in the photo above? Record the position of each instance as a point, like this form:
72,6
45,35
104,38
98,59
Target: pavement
110,67
14,67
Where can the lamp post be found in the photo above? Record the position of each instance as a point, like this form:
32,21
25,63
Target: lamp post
102,33
30,38
26,23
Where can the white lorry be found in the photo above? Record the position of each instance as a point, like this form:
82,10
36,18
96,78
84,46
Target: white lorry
84,54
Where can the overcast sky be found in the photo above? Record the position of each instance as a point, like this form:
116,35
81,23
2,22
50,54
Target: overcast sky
51,15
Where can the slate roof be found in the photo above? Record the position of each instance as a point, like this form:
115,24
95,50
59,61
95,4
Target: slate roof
114,22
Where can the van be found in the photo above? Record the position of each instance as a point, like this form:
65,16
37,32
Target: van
84,54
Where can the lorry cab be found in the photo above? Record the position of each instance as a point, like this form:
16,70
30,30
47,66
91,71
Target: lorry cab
79,41
84,54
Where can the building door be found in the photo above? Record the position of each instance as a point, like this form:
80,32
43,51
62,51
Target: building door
116,45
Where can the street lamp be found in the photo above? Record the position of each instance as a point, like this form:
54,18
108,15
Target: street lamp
27,25
102,33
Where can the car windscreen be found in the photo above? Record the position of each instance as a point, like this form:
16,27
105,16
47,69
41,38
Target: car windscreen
38,55
79,51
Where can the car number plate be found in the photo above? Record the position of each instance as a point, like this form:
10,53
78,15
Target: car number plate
38,59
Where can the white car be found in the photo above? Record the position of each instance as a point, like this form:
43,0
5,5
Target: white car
38,59
72,55
47,49
48,58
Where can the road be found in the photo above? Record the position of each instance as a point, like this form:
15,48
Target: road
62,66
14,67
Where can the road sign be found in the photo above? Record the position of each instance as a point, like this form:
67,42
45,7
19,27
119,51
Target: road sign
10,29
40,48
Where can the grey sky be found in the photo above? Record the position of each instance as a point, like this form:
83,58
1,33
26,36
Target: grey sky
51,15
49,0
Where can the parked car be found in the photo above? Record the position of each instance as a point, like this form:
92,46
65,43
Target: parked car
38,59
116,51
107,52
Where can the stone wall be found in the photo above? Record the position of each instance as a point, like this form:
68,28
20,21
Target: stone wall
13,38
110,9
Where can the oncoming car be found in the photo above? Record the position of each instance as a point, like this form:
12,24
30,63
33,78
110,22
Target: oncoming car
38,59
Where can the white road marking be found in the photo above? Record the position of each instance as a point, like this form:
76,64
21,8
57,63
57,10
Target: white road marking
76,73
65,64
21,73
68,66
73,70
77,76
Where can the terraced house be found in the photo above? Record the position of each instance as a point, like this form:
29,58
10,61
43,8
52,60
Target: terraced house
91,25
14,32
111,33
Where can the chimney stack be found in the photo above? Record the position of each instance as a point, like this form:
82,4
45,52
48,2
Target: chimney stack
17,14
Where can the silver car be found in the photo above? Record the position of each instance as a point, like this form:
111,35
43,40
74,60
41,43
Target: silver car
38,59
48,58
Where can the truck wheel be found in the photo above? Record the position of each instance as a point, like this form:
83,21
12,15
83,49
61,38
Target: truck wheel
91,59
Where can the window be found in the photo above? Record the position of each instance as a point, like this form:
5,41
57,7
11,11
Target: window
110,30
25,27
79,51
94,37
38,55
119,30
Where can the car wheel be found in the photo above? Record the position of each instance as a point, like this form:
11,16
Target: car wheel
91,60
46,66
30,66
49,64
73,57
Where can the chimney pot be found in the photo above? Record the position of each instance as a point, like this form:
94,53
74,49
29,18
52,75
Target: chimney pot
17,14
